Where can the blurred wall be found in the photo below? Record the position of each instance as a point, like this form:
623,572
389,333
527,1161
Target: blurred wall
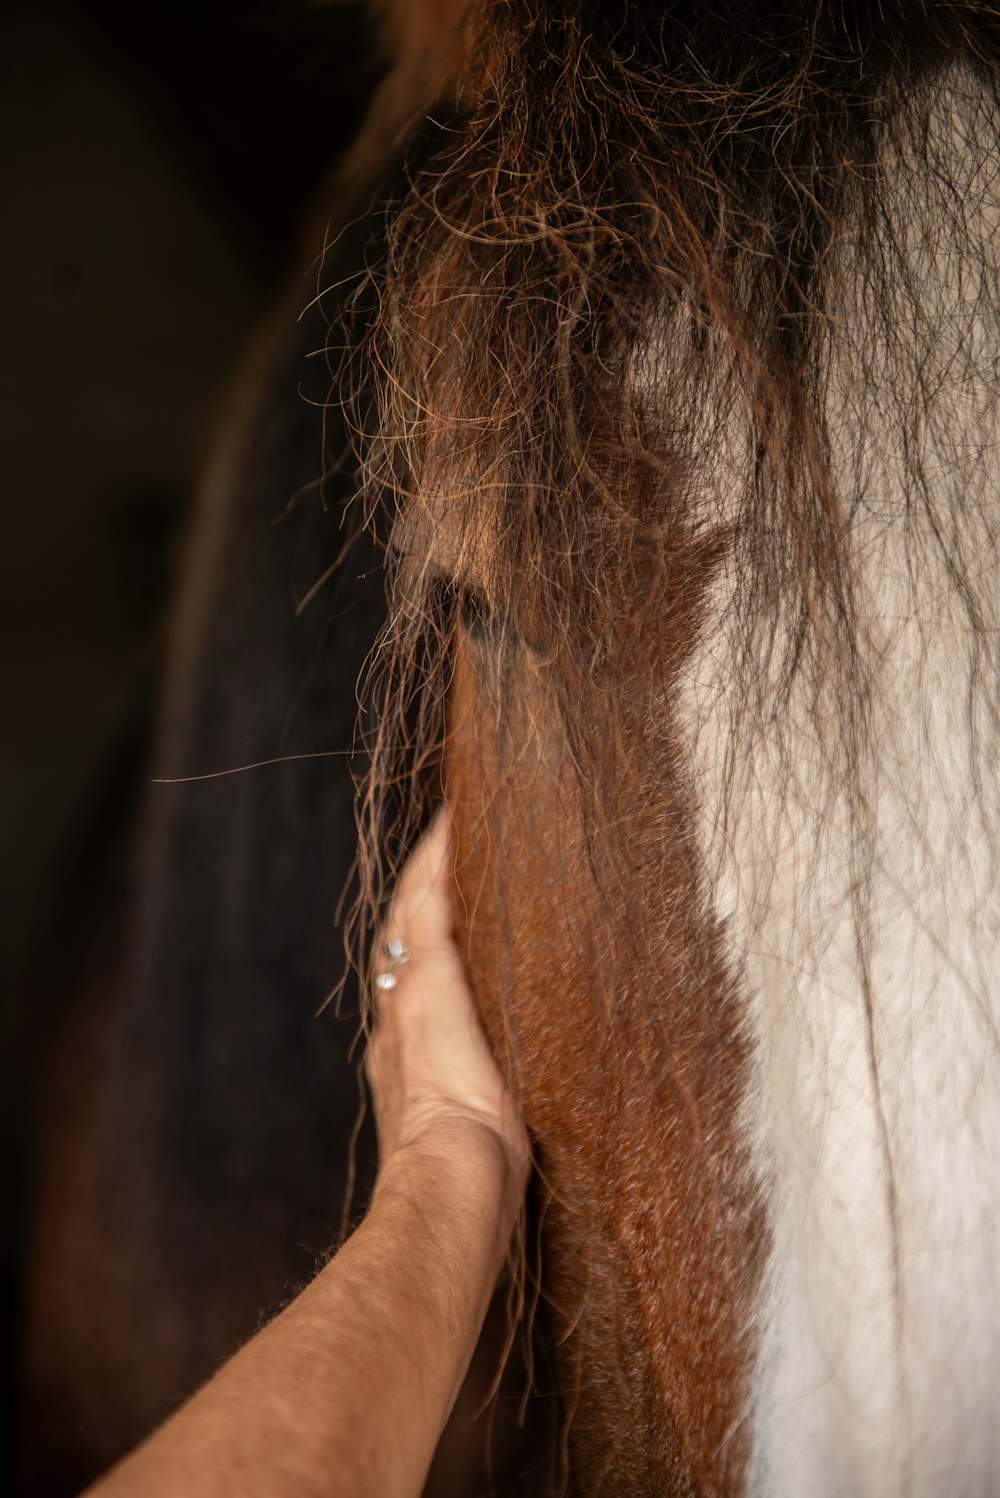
155,163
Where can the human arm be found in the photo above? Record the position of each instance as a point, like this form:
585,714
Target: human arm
348,1389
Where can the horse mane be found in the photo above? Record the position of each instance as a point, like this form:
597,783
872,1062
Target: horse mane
612,284
664,280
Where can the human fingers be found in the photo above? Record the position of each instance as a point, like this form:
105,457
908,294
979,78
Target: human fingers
421,906
429,1063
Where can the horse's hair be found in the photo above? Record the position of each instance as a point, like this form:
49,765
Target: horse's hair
613,289
666,285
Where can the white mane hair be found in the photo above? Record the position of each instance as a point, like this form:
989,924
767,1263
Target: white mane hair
860,893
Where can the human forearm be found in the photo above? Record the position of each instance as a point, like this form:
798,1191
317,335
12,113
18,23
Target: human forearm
345,1391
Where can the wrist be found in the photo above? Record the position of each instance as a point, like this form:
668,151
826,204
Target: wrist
463,1167
461,1151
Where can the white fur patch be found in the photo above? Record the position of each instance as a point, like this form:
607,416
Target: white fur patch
879,1141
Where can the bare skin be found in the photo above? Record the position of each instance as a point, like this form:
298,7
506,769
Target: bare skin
347,1391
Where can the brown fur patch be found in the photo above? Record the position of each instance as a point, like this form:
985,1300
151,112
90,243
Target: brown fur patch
623,1039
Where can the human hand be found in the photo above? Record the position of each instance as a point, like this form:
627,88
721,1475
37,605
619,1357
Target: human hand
433,1080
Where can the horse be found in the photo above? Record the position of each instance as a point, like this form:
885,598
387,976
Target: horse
664,342
686,409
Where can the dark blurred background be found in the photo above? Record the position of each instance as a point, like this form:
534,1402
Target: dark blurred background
156,162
